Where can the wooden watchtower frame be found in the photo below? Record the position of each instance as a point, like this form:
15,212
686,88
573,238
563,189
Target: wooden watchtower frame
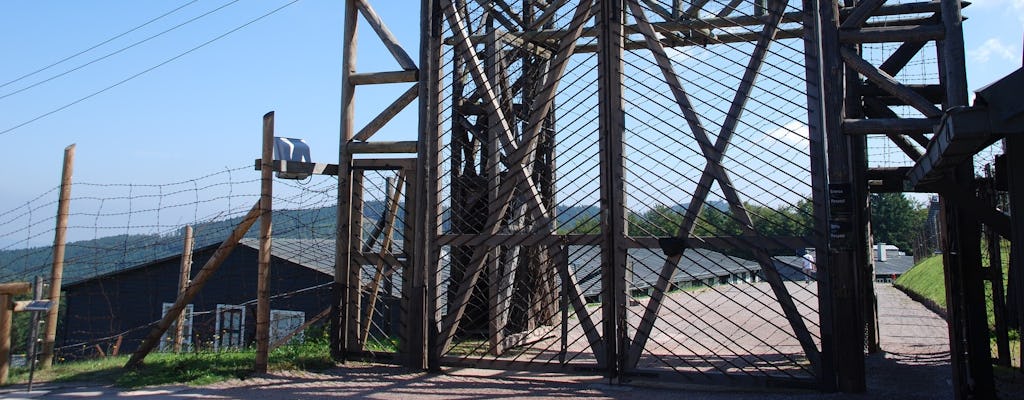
849,98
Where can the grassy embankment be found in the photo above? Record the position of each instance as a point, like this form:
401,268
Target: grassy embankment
927,284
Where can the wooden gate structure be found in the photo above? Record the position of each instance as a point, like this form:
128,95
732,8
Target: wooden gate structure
632,187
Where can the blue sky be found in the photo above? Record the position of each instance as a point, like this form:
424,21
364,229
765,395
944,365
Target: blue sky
202,112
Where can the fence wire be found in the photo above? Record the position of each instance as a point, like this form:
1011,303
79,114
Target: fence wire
521,272
123,254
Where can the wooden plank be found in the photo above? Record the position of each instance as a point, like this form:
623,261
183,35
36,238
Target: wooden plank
218,257
728,9
263,257
549,13
899,126
389,40
301,167
889,84
408,146
901,57
501,17
895,34
15,288
407,164
391,205
57,269
695,6
376,78
860,14
579,305
388,113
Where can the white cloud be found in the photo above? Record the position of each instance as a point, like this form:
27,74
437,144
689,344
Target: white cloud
993,47
794,133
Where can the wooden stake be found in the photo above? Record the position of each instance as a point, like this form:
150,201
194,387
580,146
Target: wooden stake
186,273
57,273
6,314
7,293
263,278
222,253
394,191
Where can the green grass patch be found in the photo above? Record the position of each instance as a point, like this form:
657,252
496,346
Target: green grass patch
926,280
193,368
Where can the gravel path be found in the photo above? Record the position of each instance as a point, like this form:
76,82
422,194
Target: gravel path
915,366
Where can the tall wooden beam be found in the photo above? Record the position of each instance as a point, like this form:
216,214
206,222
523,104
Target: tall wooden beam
817,138
611,125
263,261
423,334
57,271
340,314
969,339
838,268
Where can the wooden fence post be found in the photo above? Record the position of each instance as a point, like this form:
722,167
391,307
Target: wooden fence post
7,293
186,274
63,207
263,275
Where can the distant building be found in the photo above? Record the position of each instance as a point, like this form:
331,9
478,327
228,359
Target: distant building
125,303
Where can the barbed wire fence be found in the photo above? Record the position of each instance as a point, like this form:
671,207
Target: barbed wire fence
125,243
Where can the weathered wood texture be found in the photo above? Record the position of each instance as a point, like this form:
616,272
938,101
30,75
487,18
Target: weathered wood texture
183,279
57,270
263,271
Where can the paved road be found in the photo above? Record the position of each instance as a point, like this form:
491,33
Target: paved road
915,366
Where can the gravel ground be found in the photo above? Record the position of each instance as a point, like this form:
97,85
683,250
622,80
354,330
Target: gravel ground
915,365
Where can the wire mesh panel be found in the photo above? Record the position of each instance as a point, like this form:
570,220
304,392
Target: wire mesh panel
518,104
716,259
717,160
382,244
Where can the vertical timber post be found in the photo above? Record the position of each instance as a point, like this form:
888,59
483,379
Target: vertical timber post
613,218
7,293
1015,164
423,309
864,266
819,185
6,318
965,291
183,278
840,266
57,272
263,274
340,318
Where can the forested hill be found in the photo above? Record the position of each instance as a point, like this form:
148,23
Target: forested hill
87,258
